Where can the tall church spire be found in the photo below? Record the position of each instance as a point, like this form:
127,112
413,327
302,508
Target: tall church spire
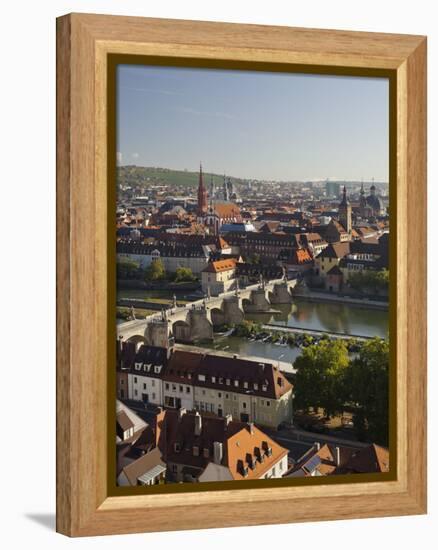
345,212
202,194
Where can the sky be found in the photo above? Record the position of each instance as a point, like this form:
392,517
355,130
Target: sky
256,125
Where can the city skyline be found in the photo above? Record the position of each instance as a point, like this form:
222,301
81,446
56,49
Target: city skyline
239,122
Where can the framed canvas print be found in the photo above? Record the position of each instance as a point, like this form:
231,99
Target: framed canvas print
241,324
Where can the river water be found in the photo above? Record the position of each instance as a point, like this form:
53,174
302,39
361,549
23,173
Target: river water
332,317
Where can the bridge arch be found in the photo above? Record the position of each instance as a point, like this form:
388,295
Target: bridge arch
181,331
138,340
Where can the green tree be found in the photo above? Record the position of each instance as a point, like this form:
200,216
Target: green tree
368,279
184,274
366,386
127,269
155,271
319,376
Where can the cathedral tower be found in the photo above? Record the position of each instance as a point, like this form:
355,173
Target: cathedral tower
345,212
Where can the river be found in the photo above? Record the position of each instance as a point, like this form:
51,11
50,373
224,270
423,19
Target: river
331,317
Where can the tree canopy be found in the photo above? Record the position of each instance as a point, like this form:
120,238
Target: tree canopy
366,386
183,274
155,271
127,269
368,279
319,374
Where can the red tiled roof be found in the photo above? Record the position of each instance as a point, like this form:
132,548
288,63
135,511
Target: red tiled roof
220,265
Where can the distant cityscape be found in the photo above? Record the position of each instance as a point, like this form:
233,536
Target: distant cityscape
252,321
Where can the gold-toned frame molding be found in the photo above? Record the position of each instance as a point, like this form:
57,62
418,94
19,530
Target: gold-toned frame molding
84,42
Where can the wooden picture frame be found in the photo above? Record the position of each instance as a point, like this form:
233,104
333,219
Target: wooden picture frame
84,44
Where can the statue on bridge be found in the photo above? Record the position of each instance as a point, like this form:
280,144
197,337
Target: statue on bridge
175,305
208,292
262,282
133,317
236,290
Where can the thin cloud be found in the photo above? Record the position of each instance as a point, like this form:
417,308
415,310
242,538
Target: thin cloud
150,90
197,112
135,155
119,157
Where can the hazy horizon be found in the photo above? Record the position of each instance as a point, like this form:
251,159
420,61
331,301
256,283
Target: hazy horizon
254,125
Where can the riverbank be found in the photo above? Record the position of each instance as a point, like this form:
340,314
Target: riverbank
315,296
317,333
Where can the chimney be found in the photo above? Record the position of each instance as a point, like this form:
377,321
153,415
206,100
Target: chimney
317,445
181,412
250,427
198,423
228,419
218,452
338,456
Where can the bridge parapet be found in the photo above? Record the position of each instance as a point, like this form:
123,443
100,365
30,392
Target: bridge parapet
196,319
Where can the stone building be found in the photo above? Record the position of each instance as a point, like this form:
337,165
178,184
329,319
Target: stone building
219,276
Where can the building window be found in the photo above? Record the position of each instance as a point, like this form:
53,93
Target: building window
135,380
181,389
219,394
244,405
187,389
268,403
122,382
135,392
144,386
167,386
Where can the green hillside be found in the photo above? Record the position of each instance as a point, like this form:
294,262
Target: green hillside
146,176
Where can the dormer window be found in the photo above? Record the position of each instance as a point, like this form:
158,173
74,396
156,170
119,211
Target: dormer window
213,379
201,377
245,385
206,452
221,380
195,450
256,386
264,387
228,381
236,383
177,447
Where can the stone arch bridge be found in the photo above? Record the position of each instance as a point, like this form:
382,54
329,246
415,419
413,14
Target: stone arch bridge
195,321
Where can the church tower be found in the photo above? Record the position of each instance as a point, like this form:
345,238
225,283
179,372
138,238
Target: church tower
345,212
362,203
226,190
202,194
